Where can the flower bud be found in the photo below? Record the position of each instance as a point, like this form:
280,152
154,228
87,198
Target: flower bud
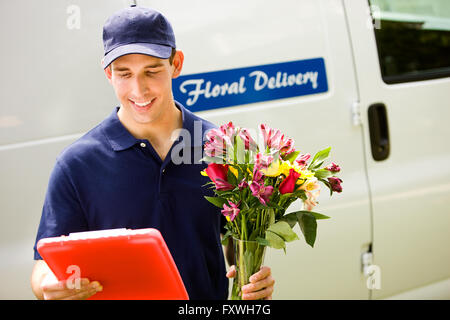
335,183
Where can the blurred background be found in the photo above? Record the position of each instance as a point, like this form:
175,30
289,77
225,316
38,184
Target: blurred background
385,113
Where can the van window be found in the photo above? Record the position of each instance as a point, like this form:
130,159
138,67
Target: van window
413,38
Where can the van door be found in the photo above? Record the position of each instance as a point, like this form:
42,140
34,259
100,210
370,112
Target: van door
227,41
403,68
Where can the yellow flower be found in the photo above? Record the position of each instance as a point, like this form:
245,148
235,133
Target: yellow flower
203,173
233,171
311,184
273,170
285,167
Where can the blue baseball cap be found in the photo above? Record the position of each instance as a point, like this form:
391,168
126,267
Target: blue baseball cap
137,30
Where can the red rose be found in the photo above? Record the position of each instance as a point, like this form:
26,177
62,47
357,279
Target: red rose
288,184
218,174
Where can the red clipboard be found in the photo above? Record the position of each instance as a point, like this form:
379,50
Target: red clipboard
129,264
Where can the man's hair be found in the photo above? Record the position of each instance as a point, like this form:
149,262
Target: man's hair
172,55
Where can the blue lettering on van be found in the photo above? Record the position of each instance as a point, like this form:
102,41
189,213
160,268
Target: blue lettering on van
218,89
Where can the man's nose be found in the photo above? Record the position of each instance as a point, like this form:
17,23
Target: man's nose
140,87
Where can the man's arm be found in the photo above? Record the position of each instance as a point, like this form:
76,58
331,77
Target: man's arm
45,285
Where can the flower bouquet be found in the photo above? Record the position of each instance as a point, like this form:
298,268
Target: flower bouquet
254,184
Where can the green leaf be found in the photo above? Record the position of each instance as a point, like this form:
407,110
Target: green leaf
226,237
284,230
292,156
325,182
322,174
320,156
262,241
290,218
316,215
319,216
218,202
275,241
308,225
300,194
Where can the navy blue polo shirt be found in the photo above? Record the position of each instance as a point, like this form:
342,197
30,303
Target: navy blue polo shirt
109,179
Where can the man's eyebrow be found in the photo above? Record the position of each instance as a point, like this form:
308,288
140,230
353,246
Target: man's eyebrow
120,69
155,65
152,66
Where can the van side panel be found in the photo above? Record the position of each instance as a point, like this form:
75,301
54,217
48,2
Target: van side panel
219,36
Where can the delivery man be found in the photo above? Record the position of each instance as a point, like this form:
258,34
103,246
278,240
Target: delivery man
121,174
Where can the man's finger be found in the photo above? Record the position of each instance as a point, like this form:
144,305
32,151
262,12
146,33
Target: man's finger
82,295
56,292
263,272
262,294
261,284
61,285
231,272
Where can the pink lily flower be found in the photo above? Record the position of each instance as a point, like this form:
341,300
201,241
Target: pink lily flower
274,139
302,159
217,143
263,161
250,144
311,201
243,184
261,192
257,174
230,212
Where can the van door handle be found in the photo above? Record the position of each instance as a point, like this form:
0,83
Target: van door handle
379,131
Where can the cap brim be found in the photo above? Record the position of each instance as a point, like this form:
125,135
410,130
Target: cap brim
154,50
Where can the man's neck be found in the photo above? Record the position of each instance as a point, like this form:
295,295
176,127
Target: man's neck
158,132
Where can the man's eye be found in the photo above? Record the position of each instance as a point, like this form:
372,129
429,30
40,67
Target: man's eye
151,73
124,75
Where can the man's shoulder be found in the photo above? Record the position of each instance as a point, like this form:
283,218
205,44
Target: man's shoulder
206,125
90,144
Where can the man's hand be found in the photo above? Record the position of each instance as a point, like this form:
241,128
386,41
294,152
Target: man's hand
52,289
46,286
260,286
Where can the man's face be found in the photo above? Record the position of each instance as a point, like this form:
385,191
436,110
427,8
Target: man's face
143,85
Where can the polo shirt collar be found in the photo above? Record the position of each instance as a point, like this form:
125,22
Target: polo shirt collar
120,138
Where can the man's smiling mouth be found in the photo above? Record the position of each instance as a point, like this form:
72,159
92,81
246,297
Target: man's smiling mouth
142,105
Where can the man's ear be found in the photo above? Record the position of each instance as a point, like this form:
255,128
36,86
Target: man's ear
107,71
177,63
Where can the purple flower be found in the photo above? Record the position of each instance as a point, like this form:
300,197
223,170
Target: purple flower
257,175
230,212
261,192
243,184
335,183
333,167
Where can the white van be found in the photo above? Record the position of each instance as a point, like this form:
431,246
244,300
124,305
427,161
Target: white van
370,78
